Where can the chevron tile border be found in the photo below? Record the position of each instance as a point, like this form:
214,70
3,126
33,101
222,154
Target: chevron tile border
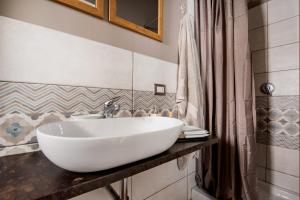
278,121
42,98
147,100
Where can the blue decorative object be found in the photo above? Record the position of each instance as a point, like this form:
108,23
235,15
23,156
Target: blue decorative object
15,129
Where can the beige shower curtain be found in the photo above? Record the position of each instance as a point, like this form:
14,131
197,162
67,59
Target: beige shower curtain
221,26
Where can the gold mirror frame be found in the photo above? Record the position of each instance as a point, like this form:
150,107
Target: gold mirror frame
113,18
97,11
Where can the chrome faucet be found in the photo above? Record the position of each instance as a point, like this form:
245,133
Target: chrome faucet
111,108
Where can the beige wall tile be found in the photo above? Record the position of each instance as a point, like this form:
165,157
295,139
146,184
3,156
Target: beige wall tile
285,82
176,191
261,173
260,61
192,163
283,57
282,9
283,160
258,16
283,180
261,155
148,70
191,183
151,181
43,55
259,80
258,38
283,32
102,193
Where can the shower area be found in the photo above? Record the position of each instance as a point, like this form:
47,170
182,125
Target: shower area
274,44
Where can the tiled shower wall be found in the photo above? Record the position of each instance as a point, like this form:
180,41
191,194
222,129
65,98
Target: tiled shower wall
274,41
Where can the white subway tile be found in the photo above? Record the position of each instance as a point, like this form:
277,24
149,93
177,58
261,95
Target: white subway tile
285,82
257,16
283,160
176,191
258,38
283,32
31,53
283,180
282,9
283,57
151,181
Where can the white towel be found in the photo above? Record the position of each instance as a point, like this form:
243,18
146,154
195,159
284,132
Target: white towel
196,136
202,132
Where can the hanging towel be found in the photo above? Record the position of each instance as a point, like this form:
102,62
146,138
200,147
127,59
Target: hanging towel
189,97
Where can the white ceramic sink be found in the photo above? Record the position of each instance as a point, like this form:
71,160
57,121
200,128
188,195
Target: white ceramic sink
99,144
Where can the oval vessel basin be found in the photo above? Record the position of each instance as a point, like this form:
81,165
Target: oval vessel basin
99,144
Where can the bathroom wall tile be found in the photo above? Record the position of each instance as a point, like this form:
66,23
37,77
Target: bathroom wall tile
261,155
278,158
19,128
240,8
42,98
279,10
102,193
191,183
148,70
192,162
283,180
176,191
283,32
258,38
262,102
283,58
285,82
147,100
261,173
260,61
89,63
151,181
12,150
275,59
259,80
258,16
283,140
284,102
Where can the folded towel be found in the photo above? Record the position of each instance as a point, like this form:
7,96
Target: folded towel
195,132
196,136
191,128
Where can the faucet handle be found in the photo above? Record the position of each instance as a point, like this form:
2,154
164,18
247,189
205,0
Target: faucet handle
111,101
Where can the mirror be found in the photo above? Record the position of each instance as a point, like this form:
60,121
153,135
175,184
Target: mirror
142,16
93,7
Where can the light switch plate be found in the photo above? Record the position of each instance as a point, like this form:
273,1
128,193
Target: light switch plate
159,89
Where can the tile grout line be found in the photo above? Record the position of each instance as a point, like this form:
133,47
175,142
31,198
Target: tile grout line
283,70
165,187
266,25
281,45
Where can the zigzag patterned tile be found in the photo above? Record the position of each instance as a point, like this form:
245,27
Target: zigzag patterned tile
42,98
284,102
147,100
284,140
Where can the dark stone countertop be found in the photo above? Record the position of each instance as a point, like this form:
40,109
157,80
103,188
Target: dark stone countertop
33,176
